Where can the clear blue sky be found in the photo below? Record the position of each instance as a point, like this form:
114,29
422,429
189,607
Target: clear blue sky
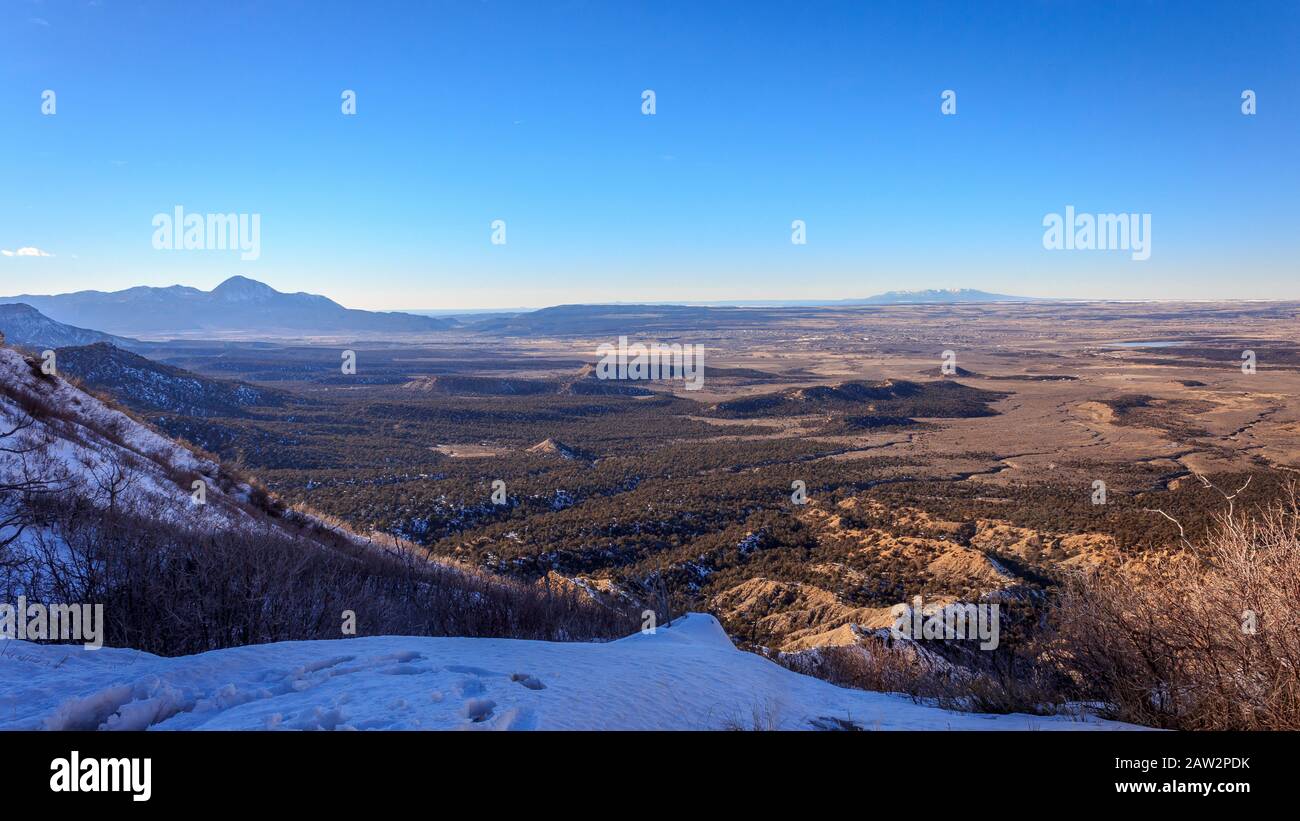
530,112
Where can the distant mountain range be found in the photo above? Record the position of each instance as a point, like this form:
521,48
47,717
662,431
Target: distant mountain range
238,305
23,325
919,297
935,296
245,307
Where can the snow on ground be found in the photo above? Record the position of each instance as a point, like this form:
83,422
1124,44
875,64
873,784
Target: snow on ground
687,676
78,457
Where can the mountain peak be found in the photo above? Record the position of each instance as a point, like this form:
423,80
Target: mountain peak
241,288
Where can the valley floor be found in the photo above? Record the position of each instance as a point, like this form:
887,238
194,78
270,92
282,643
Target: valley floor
685,677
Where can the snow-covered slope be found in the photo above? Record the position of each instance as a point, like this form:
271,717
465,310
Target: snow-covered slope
87,451
687,676
80,445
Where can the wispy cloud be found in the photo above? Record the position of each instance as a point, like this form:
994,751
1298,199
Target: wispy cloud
29,251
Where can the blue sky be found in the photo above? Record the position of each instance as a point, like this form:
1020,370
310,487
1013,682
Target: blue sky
530,112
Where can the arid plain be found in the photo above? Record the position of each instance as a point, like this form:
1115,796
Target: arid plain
835,461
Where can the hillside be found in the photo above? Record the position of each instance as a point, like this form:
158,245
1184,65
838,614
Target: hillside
70,441
23,325
552,447
687,676
145,385
894,400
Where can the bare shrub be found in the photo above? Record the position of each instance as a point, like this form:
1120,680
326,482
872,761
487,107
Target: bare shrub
28,477
1177,649
883,669
1010,679
171,591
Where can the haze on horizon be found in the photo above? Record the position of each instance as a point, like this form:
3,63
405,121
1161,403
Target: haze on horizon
531,113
